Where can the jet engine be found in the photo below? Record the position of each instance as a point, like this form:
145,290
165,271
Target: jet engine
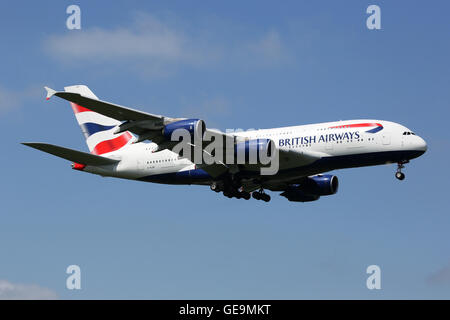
190,125
312,188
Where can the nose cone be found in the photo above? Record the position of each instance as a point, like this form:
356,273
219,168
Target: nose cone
420,144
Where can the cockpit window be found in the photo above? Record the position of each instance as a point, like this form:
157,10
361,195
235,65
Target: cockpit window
407,133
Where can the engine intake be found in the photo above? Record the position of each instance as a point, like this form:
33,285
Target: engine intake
190,125
321,185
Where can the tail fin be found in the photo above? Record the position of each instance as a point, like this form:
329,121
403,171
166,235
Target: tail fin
97,128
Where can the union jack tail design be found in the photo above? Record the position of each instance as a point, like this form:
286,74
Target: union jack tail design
97,128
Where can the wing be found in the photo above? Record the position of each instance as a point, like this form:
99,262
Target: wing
149,126
143,124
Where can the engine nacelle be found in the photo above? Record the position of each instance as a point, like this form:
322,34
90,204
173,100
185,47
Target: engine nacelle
321,185
294,194
312,188
190,125
254,150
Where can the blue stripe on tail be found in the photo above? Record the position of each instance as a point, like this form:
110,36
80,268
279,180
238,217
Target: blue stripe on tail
89,128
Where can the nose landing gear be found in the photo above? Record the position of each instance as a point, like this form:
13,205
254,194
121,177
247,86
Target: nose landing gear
399,174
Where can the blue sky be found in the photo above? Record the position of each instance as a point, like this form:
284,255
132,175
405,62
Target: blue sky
253,64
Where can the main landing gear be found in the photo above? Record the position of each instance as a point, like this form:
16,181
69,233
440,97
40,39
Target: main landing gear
399,174
229,191
237,193
261,195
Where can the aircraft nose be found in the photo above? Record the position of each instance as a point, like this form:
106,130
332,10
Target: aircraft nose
421,145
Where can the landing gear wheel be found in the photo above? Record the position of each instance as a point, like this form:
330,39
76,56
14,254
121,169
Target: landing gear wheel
246,195
261,195
400,175
214,187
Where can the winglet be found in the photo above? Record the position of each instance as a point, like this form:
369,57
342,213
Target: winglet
50,92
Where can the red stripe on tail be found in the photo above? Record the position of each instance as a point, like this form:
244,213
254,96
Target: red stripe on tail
77,109
113,144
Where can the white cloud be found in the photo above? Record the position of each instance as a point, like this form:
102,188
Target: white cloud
148,41
216,105
442,276
13,99
8,99
270,48
14,291
210,109
155,41
158,45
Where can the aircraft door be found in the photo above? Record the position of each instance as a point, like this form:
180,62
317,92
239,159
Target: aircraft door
141,164
386,139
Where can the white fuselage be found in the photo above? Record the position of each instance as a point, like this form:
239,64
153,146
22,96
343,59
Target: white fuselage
348,143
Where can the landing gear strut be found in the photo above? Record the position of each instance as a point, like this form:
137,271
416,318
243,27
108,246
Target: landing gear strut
399,174
261,195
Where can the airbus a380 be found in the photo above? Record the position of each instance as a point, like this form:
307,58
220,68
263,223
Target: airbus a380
131,144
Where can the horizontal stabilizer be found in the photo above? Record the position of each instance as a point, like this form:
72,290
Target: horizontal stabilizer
72,155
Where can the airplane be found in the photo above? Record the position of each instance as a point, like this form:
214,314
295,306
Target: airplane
130,144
